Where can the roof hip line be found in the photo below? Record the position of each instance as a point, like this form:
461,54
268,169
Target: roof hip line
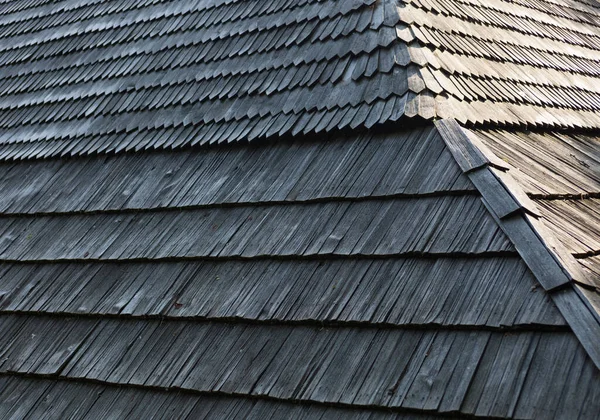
516,214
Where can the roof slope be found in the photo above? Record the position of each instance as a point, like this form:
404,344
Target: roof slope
97,77
387,287
548,254
521,63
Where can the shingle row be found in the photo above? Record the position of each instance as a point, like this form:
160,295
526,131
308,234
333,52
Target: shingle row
471,66
173,128
493,292
592,266
559,171
505,67
488,113
184,16
370,165
212,42
503,51
336,50
550,164
69,12
576,11
246,97
57,400
202,82
474,372
470,88
439,225
504,16
574,222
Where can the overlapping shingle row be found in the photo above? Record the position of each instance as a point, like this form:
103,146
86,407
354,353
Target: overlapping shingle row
560,172
98,77
207,75
499,63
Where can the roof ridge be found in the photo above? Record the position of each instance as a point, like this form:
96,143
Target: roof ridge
517,215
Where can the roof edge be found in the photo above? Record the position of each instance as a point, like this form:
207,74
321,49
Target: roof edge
516,214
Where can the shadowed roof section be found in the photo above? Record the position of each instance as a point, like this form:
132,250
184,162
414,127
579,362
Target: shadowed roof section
193,273
168,74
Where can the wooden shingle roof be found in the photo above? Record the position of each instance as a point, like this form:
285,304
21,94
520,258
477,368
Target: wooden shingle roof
94,77
384,288
252,209
510,63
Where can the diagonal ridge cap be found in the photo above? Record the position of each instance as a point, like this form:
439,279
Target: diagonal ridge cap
555,268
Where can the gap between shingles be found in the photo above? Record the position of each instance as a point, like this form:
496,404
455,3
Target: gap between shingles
589,254
320,200
313,323
565,197
222,394
289,257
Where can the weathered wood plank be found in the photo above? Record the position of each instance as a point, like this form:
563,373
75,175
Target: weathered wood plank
465,153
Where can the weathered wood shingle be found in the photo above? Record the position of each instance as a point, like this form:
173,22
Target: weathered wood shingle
550,241
560,172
